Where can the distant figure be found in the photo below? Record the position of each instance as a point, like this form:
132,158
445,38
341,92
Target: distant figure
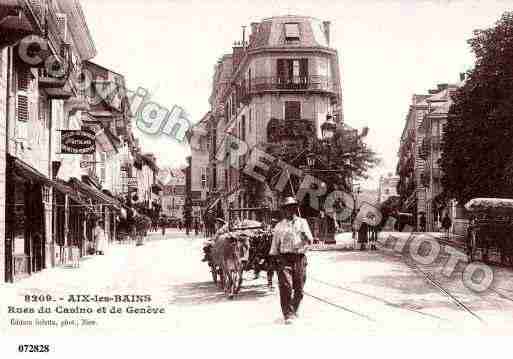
363,236
99,237
446,224
422,222
374,230
196,226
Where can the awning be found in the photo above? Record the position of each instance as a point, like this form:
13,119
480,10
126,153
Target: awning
66,188
96,194
26,171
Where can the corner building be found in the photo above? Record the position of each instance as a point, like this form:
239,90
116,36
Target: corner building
282,81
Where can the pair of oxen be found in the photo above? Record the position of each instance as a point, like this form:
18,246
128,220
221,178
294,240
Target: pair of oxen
232,251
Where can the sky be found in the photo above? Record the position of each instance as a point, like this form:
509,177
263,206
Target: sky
388,50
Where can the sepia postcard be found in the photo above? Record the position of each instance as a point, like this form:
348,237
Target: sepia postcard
253,172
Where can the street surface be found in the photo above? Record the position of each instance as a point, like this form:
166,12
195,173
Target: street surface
347,292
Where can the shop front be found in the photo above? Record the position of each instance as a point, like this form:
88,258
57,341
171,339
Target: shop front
27,233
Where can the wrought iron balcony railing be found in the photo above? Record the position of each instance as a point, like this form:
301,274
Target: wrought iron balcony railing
425,148
36,10
296,83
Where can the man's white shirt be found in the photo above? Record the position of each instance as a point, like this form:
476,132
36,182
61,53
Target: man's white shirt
287,236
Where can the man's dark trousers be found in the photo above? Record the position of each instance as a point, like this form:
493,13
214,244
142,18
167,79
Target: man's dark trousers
291,278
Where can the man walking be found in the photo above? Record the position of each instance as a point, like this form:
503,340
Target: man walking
289,244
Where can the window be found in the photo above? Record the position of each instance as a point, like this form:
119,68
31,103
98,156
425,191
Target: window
243,128
292,72
292,32
203,177
24,82
46,194
249,121
292,110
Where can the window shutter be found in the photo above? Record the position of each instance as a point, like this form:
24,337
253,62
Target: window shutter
38,8
62,23
303,68
243,128
292,110
290,68
281,70
23,108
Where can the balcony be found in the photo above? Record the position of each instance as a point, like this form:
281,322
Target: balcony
19,19
425,178
257,85
436,143
425,148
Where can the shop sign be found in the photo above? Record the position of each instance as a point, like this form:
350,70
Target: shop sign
78,142
132,182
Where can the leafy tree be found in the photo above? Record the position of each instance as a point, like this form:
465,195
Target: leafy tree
477,157
337,161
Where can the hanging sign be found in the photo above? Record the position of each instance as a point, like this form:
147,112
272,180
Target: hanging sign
78,142
132,182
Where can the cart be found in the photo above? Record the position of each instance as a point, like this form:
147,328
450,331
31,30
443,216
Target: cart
238,246
490,230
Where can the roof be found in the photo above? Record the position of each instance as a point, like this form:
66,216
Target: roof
270,32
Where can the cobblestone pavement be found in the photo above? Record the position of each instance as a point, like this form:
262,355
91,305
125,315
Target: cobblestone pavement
367,292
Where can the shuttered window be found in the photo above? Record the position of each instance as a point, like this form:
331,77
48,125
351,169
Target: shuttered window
292,110
62,23
292,32
243,128
23,108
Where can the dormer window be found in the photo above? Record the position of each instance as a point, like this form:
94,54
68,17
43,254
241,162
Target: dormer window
292,32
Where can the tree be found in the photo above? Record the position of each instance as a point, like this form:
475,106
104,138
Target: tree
477,157
337,161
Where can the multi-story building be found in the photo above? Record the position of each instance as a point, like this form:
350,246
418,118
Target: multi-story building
387,187
419,155
173,195
433,127
410,165
67,141
199,166
284,80
149,188
41,99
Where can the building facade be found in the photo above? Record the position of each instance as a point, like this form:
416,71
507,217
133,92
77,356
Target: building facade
387,187
68,150
419,170
173,195
285,76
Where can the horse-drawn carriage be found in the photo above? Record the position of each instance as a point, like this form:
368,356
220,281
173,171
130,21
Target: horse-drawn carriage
490,230
241,244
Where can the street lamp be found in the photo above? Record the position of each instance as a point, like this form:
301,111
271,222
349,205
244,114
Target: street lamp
328,128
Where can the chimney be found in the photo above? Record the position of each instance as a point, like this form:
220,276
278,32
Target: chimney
326,25
238,54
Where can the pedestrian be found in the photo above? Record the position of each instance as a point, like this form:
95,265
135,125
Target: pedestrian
422,222
363,235
291,236
373,237
446,223
196,226
99,237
